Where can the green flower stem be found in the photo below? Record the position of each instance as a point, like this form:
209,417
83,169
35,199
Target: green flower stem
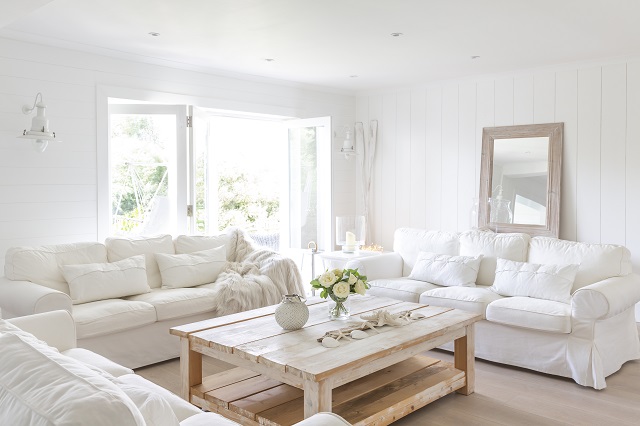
339,309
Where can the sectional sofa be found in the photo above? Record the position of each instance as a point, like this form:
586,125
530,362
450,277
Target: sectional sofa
125,295
46,379
550,305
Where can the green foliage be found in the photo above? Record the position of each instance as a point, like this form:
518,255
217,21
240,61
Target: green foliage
242,205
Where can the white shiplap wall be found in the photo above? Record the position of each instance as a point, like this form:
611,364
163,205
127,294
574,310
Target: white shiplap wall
51,197
430,138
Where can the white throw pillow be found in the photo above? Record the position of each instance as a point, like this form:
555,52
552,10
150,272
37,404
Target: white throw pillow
443,269
99,281
550,282
191,269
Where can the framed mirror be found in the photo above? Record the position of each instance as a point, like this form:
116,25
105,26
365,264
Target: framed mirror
520,179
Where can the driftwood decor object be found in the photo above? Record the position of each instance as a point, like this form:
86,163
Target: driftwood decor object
520,174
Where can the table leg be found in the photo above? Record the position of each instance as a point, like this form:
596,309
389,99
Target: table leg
464,359
190,368
317,397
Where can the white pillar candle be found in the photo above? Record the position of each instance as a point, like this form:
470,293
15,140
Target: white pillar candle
350,239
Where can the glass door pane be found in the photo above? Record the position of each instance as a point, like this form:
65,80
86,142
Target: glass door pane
145,171
309,183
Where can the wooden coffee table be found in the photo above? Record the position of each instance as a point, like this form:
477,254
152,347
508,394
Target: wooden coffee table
285,376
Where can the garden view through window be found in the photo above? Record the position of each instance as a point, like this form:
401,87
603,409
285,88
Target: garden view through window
243,172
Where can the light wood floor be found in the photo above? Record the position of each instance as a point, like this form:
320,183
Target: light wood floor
504,396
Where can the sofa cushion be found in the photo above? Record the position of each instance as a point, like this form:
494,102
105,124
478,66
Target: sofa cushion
191,269
181,408
154,408
474,299
98,281
491,246
88,357
409,242
119,248
549,282
41,265
404,289
446,270
110,316
59,389
178,302
208,419
535,314
596,261
191,243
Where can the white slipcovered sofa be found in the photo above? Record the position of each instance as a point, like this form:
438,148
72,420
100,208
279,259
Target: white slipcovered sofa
517,282
45,379
126,294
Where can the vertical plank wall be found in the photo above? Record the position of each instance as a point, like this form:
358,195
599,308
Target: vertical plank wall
51,197
430,140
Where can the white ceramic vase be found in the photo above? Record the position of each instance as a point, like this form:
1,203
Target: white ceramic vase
292,313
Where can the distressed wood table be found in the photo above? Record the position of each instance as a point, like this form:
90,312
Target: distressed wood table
284,376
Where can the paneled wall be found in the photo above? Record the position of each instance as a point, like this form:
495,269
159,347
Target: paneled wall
51,197
430,138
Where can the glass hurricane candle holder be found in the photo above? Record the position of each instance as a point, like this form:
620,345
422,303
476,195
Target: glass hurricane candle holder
350,232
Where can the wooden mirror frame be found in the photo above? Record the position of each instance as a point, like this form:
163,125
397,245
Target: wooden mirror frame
554,131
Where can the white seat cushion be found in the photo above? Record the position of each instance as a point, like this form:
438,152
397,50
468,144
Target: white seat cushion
110,316
40,386
472,299
178,302
404,289
181,408
154,408
535,314
492,246
91,358
119,248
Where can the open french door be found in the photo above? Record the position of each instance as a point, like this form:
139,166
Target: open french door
306,201
147,169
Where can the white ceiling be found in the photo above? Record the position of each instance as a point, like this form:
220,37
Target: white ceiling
324,42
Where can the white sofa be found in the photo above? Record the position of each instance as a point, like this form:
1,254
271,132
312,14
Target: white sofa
586,337
133,329
45,379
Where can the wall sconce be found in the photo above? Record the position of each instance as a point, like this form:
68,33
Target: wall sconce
347,145
39,133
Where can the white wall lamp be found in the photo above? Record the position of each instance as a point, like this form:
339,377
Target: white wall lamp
348,148
39,133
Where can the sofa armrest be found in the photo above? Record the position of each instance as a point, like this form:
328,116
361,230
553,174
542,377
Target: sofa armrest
18,298
606,298
56,328
386,265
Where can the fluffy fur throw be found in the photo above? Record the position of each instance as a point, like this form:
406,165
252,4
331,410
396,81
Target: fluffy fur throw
254,277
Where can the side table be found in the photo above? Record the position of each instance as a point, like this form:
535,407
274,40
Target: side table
338,259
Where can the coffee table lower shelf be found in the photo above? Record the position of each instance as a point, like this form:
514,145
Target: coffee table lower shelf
377,399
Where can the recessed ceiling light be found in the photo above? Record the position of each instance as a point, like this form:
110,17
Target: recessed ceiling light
475,57
154,34
269,59
396,34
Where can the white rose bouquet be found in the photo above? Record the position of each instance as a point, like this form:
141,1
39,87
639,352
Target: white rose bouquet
338,284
